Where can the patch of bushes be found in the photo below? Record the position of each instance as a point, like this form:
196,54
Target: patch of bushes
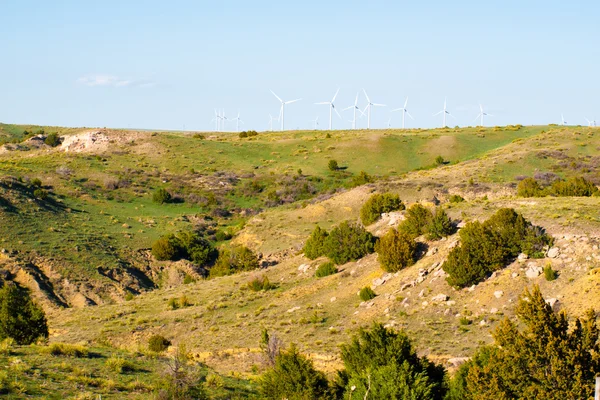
20,318
237,259
440,225
529,187
184,245
158,343
549,273
572,187
333,165
182,302
455,198
315,245
488,246
262,283
396,250
326,269
40,194
378,204
348,242
198,136
247,134
67,350
52,139
366,294
161,196
119,365
361,179
37,182
417,220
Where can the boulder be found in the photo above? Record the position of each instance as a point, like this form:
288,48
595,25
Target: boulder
552,302
554,252
440,298
498,294
522,257
533,271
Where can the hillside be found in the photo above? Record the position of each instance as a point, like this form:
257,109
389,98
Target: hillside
84,249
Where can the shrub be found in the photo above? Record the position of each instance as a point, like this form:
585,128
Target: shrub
396,250
198,136
164,249
161,196
173,303
40,194
378,204
333,165
361,179
232,261
221,236
20,318
36,182
440,226
439,160
549,273
243,134
119,365
184,301
455,198
489,246
52,139
348,242
574,187
380,363
417,220
187,279
258,284
293,377
158,343
529,187
326,269
367,294
215,381
315,245
67,350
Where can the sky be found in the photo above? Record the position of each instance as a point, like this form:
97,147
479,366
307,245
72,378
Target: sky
169,64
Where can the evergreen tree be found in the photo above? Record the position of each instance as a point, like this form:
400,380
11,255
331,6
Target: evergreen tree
20,318
315,245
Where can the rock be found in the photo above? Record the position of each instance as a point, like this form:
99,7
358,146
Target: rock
333,299
533,272
498,293
494,311
483,322
406,286
552,302
431,251
303,268
522,257
422,293
425,303
458,361
423,272
453,244
461,224
471,289
440,298
293,309
515,274
450,303
420,279
553,252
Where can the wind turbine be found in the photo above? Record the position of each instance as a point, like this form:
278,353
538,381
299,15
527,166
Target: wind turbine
355,108
404,112
223,119
315,122
482,114
217,120
368,108
237,122
271,122
444,112
282,111
331,107
562,117
591,123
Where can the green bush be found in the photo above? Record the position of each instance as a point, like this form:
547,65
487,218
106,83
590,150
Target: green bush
439,160
396,250
577,186
67,350
361,179
529,187
187,245
348,242
417,220
333,165
37,182
489,246
380,363
378,204
161,196
236,260
326,269
20,318
549,273
40,194
440,225
164,249
315,245
367,294
262,283
293,377
455,198
119,365
158,343
52,139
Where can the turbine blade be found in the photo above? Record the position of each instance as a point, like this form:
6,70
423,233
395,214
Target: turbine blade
278,98
438,113
477,117
347,108
397,109
338,114
406,102
379,105
356,101
292,101
323,102
366,95
336,93
411,117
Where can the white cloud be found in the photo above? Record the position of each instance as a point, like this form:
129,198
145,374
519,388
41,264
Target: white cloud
113,81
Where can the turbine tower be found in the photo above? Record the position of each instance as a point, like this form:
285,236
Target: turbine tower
217,120
271,122
282,111
444,112
592,123
562,117
368,108
223,118
355,108
482,114
315,123
331,107
404,113
237,122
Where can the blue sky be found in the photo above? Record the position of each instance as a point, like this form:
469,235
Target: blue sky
168,64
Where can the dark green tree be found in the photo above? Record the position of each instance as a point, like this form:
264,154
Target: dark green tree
315,245
237,259
417,220
348,242
378,204
396,250
440,225
20,318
